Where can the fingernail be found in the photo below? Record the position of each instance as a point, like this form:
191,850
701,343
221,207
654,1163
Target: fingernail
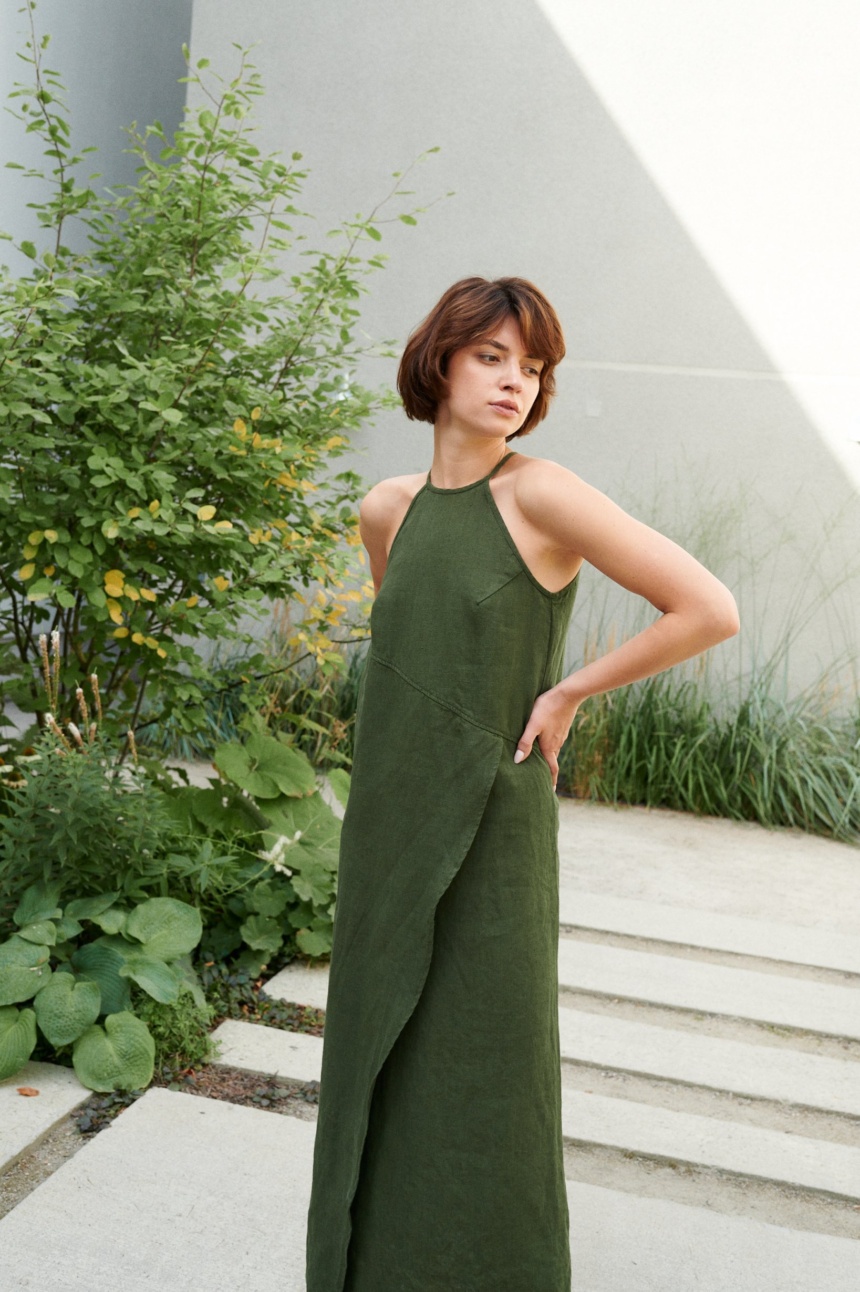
519,756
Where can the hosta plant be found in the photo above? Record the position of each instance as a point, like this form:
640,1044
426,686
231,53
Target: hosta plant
267,813
58,979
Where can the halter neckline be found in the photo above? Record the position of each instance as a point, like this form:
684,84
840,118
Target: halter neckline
461,488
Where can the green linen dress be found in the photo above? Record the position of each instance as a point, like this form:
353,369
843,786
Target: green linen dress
438,1156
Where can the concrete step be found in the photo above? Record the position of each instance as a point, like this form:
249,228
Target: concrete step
24,1120
816,1008
793,1161
759,1071
192,1193
622,1243
271,1051
820,948
301,984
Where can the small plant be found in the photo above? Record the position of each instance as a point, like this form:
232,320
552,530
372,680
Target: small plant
273,892
74,979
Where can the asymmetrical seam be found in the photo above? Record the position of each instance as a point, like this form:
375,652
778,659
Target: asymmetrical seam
437,699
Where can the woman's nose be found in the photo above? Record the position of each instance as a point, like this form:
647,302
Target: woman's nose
513,378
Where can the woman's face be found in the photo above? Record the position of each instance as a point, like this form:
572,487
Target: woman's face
492,383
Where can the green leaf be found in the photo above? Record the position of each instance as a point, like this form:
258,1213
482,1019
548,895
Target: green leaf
312,943
338,779
101,964
266,768
43,931
111,920
66,1007
28,249
17,1040
38,902
24,969
87,908
268,898
166,927
313,883
118,1056
154,976
373,233
262,933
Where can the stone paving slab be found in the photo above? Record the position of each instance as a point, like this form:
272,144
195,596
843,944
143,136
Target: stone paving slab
819,947
192,1194
620,1243
24,1120
300,984
760,1071
710,864
792,1160
710,989
271,1051
179,1194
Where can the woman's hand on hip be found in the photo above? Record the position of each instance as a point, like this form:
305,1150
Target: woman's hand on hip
548,724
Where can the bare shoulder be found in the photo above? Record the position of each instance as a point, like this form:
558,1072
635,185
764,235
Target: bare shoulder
539,482
383,507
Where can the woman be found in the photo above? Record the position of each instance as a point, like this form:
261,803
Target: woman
438,1158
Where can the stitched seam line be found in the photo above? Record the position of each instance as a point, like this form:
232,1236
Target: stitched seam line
446,704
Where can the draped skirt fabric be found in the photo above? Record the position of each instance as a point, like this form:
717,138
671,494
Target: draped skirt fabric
438,1161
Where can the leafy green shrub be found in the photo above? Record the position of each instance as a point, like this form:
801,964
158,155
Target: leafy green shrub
73,979
270,890
179,1029
168,413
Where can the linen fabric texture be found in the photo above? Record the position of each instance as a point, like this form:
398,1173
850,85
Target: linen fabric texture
438,1160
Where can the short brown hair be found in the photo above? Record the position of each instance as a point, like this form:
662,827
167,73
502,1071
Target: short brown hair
468,312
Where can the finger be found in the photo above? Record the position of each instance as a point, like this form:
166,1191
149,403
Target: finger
524,745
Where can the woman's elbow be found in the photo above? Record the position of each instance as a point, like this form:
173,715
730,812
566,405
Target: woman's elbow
723,618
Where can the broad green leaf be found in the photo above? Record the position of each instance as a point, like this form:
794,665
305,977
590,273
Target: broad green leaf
155,977
166,927
262,934
313,883
17,1039
313,944
43,931
38,902
85,908
317,826
266,767
101,964
118,1056
112,920
24,969
268,897
66,1007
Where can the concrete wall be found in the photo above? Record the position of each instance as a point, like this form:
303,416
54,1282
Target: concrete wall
120,61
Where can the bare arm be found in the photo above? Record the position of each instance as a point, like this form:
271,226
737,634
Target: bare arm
696,610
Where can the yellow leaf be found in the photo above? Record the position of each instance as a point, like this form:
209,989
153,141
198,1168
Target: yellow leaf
151,643
148,594
51,535
114,610
120,632
49,570
334,441
239,427
206,513
221,583
113,589
223,524
255,537
133,513
137,638
192,602
30,551
256,440
234,448
35,538
256,414
161,653
132,593
154,506
110,529
26,571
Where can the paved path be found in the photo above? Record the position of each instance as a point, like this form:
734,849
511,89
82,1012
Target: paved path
710,1036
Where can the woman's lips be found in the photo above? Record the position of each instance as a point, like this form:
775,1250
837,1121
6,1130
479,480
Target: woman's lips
508,409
